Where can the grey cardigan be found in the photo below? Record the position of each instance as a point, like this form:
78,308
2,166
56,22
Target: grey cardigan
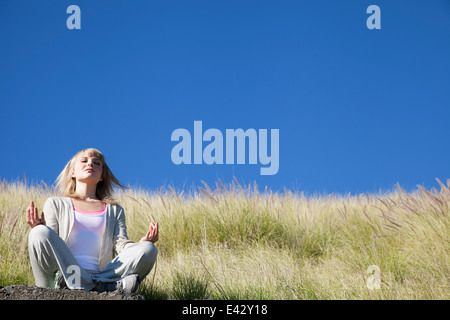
59,216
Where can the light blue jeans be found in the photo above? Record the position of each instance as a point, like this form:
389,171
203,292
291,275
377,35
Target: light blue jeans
50,254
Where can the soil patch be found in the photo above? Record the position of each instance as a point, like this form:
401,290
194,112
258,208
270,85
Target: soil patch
23,292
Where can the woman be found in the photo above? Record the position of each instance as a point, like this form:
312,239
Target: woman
80,240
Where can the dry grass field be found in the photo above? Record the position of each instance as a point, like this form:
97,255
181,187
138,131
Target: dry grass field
237,242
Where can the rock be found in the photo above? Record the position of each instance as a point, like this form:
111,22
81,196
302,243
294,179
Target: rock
24,292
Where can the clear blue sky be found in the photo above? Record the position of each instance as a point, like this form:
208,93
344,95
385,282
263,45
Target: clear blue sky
358,110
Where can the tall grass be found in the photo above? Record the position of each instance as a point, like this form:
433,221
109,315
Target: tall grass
235,242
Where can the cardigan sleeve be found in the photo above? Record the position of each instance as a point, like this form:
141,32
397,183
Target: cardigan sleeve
51,214
120,232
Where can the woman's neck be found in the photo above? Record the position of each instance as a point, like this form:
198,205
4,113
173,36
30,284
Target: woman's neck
86,191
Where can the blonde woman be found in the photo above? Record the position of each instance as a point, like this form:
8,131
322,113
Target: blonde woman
80,240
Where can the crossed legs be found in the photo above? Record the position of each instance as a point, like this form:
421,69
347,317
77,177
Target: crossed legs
49,253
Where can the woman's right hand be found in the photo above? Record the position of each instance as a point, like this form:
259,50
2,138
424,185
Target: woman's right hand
33,218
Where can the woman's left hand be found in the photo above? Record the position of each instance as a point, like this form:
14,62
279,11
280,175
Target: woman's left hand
152,234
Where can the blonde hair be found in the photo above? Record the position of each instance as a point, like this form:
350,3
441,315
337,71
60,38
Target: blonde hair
67,184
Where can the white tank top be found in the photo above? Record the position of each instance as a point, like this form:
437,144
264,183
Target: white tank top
86,238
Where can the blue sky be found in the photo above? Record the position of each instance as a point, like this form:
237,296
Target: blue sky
357,110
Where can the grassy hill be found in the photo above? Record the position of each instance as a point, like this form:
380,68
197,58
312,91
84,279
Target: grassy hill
235,242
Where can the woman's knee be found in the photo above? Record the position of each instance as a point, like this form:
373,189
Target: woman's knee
149,249
39,233
148,258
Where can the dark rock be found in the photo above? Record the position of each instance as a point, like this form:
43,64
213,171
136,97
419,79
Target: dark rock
24,292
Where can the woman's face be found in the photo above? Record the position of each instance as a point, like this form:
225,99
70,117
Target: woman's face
87,168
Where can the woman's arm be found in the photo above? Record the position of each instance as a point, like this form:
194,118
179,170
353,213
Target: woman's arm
51,214
47,217
33,219
120,232
152,234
